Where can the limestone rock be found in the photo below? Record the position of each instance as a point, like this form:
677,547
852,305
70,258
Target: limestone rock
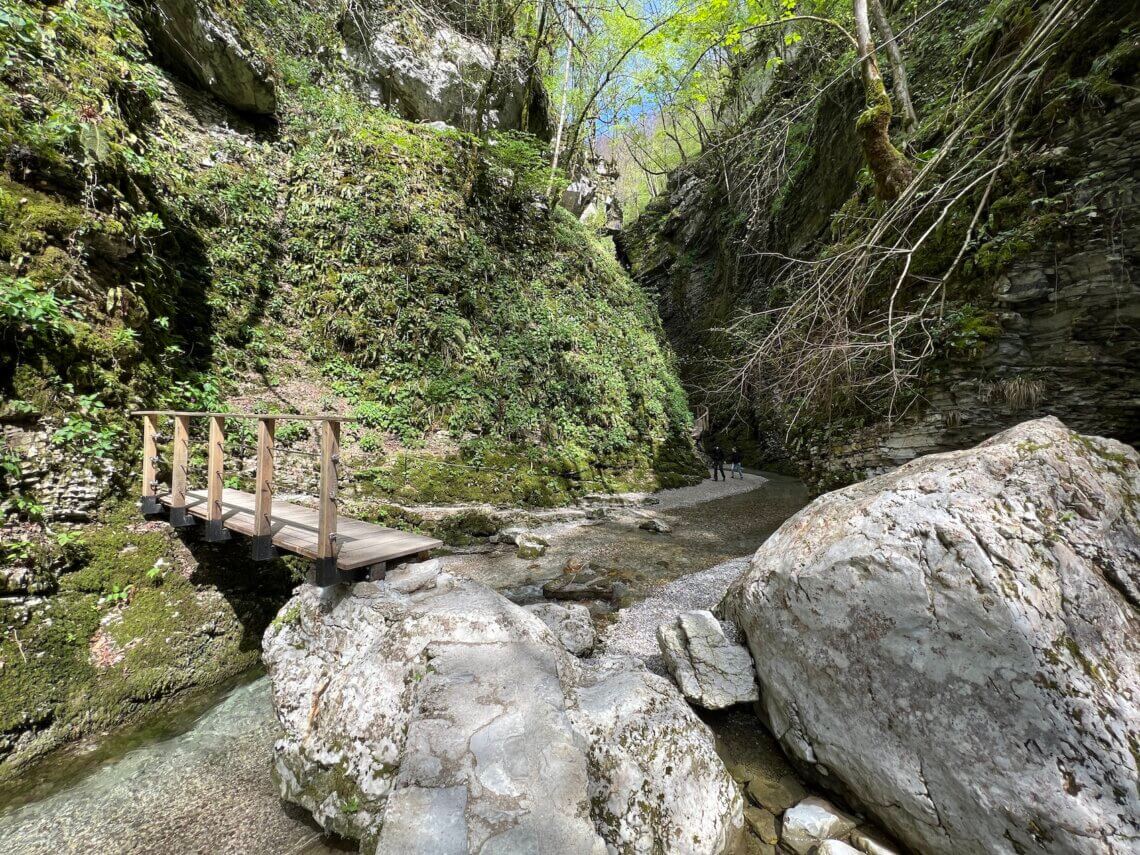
711,671
811,822
660,786
963,634
447,719
835,847
193,38
763,824
409,578
530,546
869,844
431,69
571,624
578,195
655,525
778,795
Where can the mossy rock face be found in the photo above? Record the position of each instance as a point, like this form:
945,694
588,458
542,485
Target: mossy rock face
139,616
1019,276
405,272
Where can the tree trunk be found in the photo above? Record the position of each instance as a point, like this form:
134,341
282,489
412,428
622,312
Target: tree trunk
889,167
898,68
566,86
532,70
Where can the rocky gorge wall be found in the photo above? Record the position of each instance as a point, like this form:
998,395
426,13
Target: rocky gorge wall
201,209
1043,313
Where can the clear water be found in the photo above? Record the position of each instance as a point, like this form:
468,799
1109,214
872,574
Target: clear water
197,779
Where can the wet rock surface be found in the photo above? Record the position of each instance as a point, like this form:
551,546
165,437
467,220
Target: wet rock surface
203,787
589,584
450,720
1019,558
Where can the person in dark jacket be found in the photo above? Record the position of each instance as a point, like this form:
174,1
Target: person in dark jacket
718,462
737,463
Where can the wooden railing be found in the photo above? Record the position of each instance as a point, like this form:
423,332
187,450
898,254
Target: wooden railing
262,536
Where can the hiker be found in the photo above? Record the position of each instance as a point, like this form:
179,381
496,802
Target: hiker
737,463
718,462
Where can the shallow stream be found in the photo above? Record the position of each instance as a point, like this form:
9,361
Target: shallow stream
197,780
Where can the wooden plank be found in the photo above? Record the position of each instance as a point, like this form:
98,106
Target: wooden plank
296,529
180,461
326,509
180,473
216,467
215,480
263,494
281,417
149,468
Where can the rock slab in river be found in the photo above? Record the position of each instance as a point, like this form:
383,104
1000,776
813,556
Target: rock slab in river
712,671
589,584
428,714
958,643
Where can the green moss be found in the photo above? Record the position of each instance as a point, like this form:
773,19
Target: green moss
466,527
288,617
110,642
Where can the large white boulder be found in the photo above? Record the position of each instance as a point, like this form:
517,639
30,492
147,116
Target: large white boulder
711,670
957,642
429,714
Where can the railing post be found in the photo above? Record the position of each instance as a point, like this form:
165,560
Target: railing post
150,503
215,474
325,571
179,473
262,547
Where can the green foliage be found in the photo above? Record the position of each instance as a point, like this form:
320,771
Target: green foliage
966,329
408,267
26,310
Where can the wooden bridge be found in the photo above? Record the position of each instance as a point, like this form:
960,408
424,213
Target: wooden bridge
342,549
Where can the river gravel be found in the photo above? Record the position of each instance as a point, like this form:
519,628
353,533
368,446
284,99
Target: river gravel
634,633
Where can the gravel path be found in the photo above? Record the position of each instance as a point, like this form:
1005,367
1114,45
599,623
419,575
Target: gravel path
706,491
634,633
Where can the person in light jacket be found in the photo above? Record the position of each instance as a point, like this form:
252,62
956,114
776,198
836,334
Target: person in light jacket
737,463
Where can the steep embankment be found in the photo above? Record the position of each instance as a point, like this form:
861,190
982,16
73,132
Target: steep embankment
200,207
1031,309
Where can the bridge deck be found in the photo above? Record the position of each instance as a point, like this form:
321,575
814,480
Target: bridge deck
295,529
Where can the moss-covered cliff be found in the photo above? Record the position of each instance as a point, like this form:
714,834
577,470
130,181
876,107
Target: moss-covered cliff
160,248
1032,308
198,210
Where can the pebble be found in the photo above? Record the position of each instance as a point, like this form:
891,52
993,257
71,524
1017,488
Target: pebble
813,821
